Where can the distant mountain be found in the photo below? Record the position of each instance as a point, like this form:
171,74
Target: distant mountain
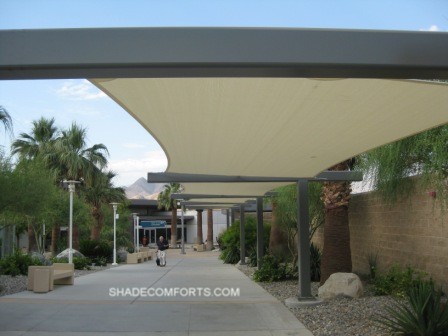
141,189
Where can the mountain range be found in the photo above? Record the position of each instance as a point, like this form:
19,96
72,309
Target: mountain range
141,189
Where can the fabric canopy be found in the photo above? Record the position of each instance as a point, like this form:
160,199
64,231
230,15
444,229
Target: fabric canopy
283,127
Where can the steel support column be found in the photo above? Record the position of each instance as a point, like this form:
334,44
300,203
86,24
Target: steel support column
303,228
242,236
227,218
232,216
260,233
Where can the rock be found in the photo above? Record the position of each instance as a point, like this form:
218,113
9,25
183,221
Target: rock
64,254
341,284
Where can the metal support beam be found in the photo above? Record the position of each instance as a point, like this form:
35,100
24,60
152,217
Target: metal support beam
187,197
216,52
208,203
205,178
303,228
232,215
242,236
260,232
227,218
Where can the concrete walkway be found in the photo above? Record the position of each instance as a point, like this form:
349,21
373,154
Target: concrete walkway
90,307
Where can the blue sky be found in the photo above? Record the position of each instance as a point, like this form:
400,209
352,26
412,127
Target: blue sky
133,152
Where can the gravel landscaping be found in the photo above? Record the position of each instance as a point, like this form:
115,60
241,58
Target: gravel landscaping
11,285
340,316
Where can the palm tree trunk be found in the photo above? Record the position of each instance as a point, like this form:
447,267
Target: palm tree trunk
199,238
75,237
54,239
278,239
173,226
209,229
336,255
31,238
96,229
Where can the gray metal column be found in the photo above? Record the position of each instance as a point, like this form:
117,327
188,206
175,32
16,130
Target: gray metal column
227,218
242,236
260,233
232,216
303,227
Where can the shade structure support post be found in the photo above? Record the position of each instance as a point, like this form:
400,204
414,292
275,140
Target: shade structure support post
260,232
227,218
242,236
182,235
138,234
303,229
232,216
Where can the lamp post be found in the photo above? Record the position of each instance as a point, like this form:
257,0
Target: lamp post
138,234
134,216
114,205
71,188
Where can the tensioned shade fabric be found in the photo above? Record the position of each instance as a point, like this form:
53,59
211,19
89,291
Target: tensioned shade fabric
274,126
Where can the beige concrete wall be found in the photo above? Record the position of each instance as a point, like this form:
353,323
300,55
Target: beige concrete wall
413,232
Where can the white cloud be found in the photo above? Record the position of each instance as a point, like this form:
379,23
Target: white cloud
432,28
130,170
80,90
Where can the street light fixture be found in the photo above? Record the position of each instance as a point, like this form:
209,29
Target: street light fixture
71,188
134,216
114,205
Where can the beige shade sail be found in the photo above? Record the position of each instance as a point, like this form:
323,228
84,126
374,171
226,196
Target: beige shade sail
282,127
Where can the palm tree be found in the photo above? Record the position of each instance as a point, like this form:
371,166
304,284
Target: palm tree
38,142
5,119
166,202
72,159
336,255
101,191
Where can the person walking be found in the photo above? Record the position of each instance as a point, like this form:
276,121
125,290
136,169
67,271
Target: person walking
162,245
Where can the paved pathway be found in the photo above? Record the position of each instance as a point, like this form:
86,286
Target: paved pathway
88,308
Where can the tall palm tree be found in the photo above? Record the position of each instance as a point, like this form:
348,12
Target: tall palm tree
38,142
336,255
99,192
72,159
5,119
166,202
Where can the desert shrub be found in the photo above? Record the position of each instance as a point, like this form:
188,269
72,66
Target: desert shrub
80,263
17,263
397,281
229,240
422,314
272,269
96,251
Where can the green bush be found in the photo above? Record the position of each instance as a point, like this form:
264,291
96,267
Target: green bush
272,269
80,263
96,251
423,313
229,240
397,281
17,263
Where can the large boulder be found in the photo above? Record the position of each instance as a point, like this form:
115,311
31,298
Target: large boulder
341,284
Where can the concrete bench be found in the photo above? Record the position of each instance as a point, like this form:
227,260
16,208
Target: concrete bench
41,279
134,258
199,248
138,257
